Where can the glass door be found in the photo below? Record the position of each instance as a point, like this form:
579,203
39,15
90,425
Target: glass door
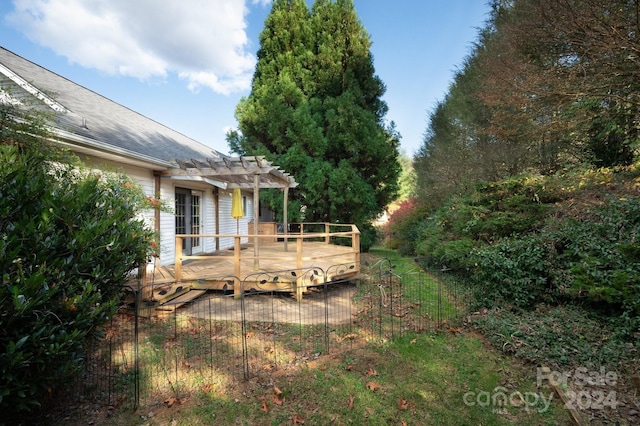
196,221
183,217
188,213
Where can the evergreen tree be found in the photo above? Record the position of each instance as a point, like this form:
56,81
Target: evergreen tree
315,109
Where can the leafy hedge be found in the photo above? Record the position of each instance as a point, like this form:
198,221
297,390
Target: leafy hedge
593,261
402,231
572,237
68,241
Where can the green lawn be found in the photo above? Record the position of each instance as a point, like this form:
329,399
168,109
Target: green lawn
448,378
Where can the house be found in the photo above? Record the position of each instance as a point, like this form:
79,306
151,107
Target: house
198,183
188,175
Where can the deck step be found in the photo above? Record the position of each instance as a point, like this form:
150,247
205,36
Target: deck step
213,283
186,297
167,292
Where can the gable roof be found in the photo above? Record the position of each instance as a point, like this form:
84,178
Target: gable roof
87,118
90,123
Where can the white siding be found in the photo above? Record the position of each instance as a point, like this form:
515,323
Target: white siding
229,225
167,223
208,220
146,180
142,176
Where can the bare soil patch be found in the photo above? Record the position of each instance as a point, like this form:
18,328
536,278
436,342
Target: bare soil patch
331,303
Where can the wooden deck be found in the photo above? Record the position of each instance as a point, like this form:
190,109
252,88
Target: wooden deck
305,260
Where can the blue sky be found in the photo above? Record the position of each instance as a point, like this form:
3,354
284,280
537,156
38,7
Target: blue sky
186,64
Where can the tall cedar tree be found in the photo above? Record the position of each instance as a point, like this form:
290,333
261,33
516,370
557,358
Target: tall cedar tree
549,84
315,109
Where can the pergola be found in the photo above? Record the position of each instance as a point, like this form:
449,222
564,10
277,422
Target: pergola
252,173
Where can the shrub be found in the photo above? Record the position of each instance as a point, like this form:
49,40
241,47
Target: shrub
600,255
368,237
512,271
403,228
68,241
590,261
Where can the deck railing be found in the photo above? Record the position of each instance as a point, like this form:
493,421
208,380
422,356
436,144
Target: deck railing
330,233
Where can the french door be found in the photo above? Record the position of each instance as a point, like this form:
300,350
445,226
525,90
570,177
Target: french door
188,213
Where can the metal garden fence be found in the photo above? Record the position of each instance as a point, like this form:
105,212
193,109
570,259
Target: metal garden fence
218,339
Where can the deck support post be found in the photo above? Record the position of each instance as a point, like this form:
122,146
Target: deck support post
299,280
178,260
355,242
237,288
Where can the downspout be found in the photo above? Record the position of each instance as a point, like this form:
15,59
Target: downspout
216,208
156,194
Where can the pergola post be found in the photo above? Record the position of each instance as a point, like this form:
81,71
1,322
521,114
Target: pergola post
256,217
235,172
285,217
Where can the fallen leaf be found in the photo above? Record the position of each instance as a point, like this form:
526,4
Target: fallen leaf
413,341
265,406
297,420
403,404
372,372
348,367
276,390
351,336
350,402
277,399
170,401
404,423
373,386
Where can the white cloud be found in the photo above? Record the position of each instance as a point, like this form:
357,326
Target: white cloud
204,42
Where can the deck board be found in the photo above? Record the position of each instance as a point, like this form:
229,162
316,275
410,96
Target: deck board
271,257
216,271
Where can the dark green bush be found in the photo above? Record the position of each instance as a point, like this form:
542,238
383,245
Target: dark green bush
599,255
590,261
68,241
513,271
497,210
368,237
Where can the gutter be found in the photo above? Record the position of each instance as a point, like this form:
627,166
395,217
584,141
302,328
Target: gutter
99,149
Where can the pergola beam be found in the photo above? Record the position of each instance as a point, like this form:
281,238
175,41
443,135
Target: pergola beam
249,173
235,171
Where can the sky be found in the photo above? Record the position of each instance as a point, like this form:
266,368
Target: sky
187,63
